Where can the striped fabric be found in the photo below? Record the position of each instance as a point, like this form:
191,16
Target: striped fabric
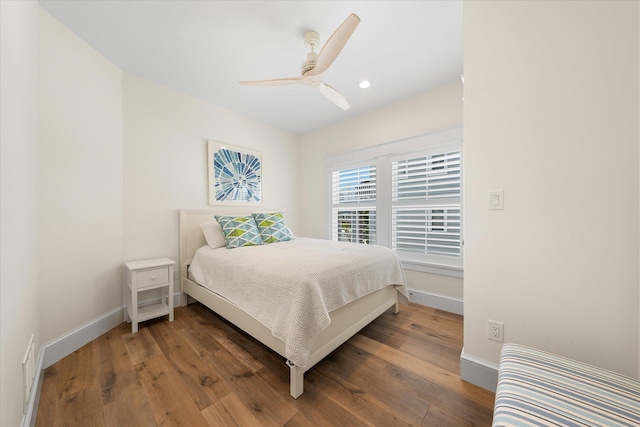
536,388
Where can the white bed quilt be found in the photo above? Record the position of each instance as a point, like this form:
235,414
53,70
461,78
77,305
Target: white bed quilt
291,287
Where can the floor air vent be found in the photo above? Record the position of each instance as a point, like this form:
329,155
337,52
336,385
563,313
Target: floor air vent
28,371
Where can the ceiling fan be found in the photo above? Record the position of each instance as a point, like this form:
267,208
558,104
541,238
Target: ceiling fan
317,63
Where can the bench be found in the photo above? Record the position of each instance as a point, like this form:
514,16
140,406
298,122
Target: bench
537,388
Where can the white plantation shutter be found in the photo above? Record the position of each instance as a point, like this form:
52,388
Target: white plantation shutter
425,204
406,195
426,230
429,177
353,193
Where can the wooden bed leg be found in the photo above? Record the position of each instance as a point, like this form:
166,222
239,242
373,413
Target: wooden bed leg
396,308
296,379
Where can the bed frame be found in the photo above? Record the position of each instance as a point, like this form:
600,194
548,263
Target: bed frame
345,321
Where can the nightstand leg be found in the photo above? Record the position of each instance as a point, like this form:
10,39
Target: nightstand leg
134,311
125,294
127,308
170,296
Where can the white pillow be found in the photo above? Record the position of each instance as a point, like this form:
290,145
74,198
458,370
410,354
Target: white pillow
213,234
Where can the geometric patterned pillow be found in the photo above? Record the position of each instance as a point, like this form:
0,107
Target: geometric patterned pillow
272,227
239,231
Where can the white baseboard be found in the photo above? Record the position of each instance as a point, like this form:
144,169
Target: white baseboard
65,344
441,302
478,371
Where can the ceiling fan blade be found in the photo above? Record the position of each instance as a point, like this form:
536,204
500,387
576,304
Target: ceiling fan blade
334,96
335,43
276,82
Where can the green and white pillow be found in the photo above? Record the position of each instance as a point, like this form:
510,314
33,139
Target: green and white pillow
239,231
272,227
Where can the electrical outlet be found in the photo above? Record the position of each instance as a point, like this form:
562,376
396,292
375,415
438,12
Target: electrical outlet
495,331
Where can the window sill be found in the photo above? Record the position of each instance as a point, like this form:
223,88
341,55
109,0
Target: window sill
433,268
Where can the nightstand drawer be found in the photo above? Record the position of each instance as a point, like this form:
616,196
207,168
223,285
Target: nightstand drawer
153,277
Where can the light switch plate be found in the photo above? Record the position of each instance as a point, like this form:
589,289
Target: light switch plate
496,200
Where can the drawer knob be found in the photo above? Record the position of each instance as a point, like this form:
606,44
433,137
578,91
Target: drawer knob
153,277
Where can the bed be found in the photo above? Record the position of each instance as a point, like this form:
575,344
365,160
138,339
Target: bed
344,319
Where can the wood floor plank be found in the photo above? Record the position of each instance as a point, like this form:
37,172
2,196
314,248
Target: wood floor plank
417,340
123,400
203,385
246,358
80,409
387,331
271,409
200,341
230,411
76,372
362,370
318,408
436,326
78,394
216,415
47,409
141,345
238,375
166,394
201,370
442,356
426,369
443,416
427,323
301,420
462,410
359,402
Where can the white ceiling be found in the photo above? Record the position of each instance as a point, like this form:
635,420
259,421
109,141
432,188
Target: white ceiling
203,48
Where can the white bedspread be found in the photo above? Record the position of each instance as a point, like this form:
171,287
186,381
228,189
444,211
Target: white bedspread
290,287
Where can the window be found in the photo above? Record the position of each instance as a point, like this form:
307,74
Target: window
425,204
354,204
409,201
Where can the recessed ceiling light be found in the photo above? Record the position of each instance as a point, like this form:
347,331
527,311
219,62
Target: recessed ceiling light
364,84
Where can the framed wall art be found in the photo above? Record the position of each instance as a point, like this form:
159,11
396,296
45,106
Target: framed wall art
235,175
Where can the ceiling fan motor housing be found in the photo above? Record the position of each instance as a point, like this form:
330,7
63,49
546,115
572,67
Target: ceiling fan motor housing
309,64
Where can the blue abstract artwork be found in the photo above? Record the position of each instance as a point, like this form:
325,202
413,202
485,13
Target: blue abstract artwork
235,175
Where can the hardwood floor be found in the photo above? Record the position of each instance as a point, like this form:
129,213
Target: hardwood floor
401,370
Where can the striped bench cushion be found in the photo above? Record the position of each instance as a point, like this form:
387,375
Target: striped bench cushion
536,388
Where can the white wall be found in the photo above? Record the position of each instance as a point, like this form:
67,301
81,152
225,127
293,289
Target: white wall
165,164
80,163
119,156
551,118
435,110
19,314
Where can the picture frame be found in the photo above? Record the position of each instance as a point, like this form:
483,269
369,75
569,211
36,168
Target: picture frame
234,175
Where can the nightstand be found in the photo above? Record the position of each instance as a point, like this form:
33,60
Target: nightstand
145,275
